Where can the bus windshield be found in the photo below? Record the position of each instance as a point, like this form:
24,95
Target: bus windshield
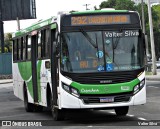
109,51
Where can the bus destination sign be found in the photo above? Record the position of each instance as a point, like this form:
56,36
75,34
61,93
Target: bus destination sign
100,20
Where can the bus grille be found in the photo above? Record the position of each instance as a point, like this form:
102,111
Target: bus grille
121,98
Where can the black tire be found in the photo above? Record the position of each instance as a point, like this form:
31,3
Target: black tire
38,108
29,107
58,114
122,111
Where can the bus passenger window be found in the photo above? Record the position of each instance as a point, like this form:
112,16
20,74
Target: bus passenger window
39,45
47,43
24,48
19,49
29,48
21,55
15,50
43,41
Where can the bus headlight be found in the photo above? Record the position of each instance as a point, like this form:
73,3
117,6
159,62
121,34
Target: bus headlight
74,92
66,88
70,90
138,87
142,83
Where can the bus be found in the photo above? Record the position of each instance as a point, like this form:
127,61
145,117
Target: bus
81,60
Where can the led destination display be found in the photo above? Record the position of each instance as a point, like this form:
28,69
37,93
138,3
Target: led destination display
100,19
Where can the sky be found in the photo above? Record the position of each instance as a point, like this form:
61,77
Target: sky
47,8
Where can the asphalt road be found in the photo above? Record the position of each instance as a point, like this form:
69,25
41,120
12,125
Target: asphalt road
11,108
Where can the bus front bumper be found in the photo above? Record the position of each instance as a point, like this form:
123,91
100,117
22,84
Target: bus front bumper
69,101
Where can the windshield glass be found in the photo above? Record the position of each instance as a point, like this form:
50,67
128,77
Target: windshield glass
101,51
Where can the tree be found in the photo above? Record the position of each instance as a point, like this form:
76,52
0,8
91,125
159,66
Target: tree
155,18
156,9
8,42
108,4
118,4
125,4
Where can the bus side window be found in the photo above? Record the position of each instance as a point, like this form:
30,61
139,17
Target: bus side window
15,50
43,42
23,48
47,45
39,54
21,54
19,49
28,47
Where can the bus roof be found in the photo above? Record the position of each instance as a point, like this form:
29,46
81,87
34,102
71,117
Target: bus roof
100,11
33,27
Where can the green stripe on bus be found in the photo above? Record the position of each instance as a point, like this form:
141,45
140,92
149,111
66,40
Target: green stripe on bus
25,70
38,79
35,26
105,88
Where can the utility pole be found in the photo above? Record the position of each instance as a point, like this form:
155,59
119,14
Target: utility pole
86,6
144,28
2,36
18,24
1,29
152,39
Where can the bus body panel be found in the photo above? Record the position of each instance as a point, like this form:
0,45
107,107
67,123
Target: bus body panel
140,98
67,100
71,102
18,82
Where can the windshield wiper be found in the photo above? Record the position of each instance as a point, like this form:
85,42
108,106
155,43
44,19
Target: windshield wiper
89,39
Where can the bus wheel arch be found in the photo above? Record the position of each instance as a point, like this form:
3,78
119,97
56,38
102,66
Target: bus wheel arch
29,107
58,114
48,95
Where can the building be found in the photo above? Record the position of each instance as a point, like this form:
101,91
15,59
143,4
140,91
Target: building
146,1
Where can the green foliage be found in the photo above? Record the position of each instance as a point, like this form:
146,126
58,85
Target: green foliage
156,9
108,4
8,42
118,4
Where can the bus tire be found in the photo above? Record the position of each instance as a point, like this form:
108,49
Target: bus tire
38,108
121,111
29,107
58,114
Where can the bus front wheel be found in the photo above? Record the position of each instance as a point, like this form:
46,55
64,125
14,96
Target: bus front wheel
58,114
121,111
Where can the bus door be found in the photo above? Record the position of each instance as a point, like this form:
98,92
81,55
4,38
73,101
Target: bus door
54,67
34,67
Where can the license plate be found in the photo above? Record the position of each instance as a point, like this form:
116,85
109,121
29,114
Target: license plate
107,100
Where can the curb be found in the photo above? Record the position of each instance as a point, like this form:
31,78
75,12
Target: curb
152,79
6,82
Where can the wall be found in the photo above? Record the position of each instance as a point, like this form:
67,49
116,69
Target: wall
5,64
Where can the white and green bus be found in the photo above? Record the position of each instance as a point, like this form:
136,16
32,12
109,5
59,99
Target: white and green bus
81,60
